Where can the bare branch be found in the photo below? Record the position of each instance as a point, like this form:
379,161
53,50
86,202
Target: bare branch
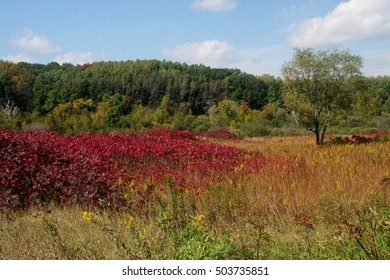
10,111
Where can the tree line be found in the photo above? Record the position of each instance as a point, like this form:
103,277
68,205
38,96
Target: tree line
40,87
142,94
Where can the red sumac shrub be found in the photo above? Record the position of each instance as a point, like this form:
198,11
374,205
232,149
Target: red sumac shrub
37,168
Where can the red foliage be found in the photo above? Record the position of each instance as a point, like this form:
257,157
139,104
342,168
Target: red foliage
360,139
87,66
221,134
41,168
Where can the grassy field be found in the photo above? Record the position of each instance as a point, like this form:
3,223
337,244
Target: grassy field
327,202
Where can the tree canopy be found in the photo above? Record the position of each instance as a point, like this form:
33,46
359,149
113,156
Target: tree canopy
317,84
42,87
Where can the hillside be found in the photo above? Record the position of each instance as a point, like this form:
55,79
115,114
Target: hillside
111,96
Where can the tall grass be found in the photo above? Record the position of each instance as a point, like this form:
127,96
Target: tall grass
329,202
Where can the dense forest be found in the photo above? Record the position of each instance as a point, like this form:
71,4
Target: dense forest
144,94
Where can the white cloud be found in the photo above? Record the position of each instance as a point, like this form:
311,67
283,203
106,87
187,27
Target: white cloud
74,58
354,20
259,61
29,41
213,53
20,58
214,5
377,62
219,54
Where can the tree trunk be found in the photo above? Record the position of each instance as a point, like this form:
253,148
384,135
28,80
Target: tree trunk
323,135
317,131
318,136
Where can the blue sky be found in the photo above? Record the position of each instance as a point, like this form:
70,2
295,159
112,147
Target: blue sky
252,35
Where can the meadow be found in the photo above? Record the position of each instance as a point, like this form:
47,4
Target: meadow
181,195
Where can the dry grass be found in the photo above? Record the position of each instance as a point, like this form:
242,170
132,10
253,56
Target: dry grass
329,202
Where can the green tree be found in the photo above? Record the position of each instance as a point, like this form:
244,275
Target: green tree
72,117
274,88
248,88
224,114
99,118
365,104
183,118
5,86
380,88
229,114
119,105
164,113
273,115
140,118
316,86
55,97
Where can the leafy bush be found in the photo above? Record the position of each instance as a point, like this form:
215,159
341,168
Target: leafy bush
359,139
100,170
195,244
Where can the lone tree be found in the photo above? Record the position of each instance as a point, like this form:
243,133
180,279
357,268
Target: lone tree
316,86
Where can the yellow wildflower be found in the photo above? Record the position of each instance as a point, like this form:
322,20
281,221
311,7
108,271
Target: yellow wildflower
129,221
142,234
239,184
239,168
87,216
132,183
198,221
